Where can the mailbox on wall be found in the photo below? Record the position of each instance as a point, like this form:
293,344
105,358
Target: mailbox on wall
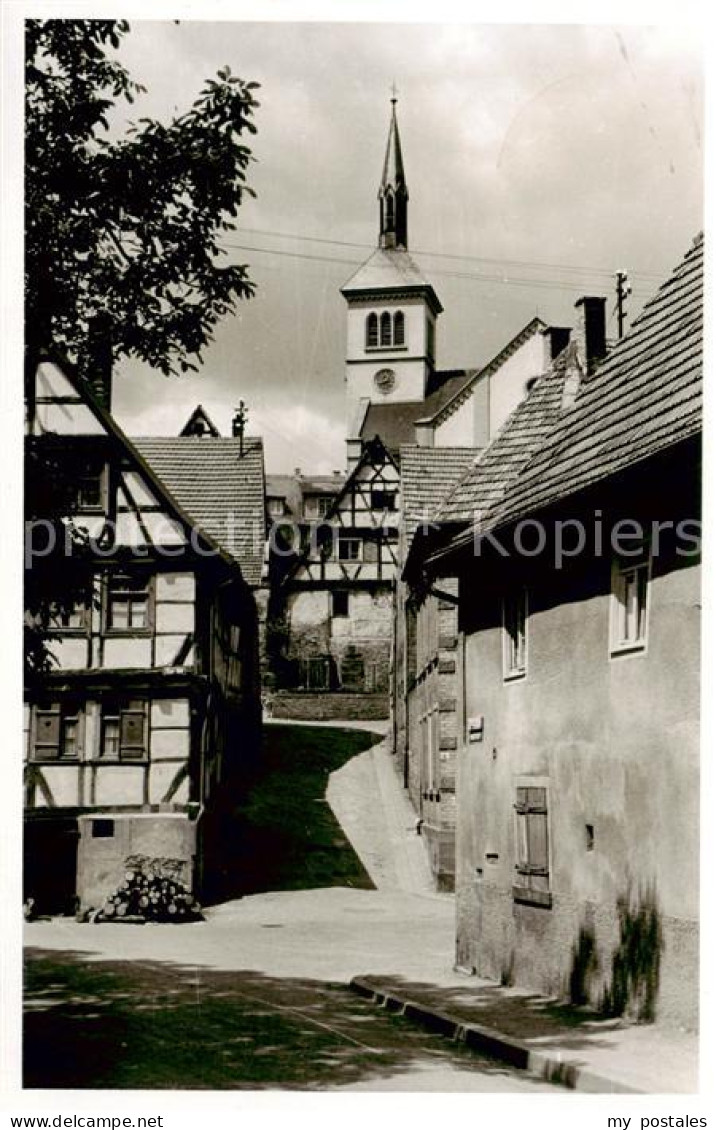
476,728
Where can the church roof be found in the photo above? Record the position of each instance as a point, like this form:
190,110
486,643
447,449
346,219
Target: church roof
390,268
221,490
393,171
395,423
534,326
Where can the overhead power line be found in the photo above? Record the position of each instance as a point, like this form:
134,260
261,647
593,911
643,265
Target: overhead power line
529,263
504,280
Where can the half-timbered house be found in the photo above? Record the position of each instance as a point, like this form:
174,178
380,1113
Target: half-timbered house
336,601
149,719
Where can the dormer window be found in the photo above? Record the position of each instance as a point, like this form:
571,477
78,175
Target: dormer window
371,331
386,329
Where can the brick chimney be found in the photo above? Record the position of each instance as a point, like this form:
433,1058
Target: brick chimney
591,331
556,338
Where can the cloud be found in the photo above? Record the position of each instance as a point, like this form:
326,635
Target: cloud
562,145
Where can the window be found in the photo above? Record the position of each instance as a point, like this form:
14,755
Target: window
89,486
514,610
383,499
57,733
102,829
371,331
386,329
318,673
349,549
353,671
127,603
630,590
317,505
277,507
123,731
69,619
399,328
532,846
340,603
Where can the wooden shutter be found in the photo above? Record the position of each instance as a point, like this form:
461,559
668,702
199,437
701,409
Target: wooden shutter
132,744
47,733
370,551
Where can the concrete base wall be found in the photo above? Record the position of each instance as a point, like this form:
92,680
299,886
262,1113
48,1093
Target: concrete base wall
440,842
536,948
325,707
101,859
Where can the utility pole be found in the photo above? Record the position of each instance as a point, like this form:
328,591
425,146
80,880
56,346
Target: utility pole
623,291
238,425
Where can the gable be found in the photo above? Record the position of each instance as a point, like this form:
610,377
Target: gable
127,501
366,511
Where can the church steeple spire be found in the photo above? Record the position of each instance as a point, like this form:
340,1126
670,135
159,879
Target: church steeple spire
393,192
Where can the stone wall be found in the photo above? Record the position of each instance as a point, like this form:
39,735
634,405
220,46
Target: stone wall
306,706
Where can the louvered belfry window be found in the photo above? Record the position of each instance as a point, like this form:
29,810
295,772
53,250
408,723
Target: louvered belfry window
514,655
532,867
371,331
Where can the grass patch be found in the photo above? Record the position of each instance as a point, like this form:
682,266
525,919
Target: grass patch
286,834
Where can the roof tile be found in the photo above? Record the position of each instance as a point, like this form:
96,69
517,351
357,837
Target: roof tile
220,490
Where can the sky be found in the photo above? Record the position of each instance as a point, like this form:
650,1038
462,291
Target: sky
539,160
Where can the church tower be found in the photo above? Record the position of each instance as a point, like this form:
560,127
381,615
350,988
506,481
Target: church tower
392,308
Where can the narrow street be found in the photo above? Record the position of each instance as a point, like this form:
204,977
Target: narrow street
256,996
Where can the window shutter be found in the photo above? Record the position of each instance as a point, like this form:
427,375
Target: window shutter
537,839
370,551
132,734
47,733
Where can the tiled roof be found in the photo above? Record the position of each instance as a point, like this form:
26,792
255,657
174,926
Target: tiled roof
395,423
500,463
426,476
221,490
390,269
321,484
645,397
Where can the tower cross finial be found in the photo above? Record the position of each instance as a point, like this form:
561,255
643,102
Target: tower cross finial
394,92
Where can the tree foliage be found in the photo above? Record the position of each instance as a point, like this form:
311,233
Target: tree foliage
122,255
58,564
124,232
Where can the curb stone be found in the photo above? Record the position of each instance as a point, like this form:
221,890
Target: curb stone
551,1067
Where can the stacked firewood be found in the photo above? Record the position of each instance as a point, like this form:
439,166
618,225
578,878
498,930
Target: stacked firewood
149,896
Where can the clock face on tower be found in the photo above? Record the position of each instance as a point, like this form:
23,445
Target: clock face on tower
385,380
